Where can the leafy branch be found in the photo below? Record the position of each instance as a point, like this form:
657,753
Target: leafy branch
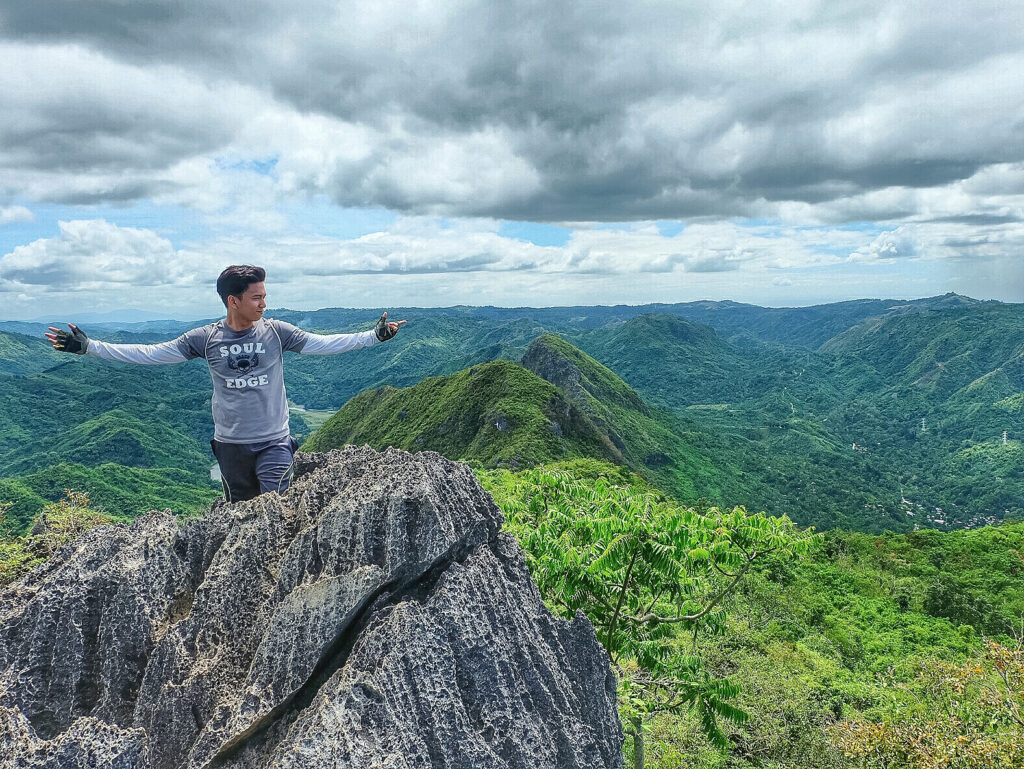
642,568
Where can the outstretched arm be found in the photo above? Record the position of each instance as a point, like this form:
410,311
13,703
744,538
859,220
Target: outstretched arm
296,339
147,354
331,344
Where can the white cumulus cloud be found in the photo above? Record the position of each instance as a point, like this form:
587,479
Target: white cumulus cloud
95,254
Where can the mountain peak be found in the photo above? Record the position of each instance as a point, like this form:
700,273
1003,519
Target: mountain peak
497,413
582,378
657,326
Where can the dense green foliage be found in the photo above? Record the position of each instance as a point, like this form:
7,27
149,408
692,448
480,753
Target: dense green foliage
966,715
646,572
832,436
849,639
827,649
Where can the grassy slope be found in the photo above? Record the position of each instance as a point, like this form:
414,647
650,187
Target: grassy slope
125,492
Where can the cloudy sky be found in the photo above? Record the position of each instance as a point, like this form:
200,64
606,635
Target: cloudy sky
376,154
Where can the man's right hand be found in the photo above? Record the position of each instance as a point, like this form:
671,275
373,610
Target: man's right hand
76,342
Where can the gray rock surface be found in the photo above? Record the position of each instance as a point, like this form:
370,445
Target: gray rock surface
373,616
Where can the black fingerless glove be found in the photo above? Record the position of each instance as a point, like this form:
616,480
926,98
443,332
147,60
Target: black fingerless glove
76,342
384,332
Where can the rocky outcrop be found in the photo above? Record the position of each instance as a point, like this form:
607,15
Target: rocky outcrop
373,616
586,382
552,364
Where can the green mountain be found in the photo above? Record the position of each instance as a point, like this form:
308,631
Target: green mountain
496,414
119,437
932,393
801,327
834,437
123,491
938,351
693,364
649,440
21,354
870,414
559,404
133,437
432,346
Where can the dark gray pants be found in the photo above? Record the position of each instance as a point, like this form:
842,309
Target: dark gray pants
249,469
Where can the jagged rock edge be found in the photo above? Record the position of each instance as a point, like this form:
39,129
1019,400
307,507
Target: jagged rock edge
197,578
393,592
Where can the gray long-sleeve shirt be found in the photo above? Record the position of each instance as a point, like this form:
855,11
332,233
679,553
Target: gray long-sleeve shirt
249,400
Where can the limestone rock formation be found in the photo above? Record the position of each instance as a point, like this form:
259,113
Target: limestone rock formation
373,616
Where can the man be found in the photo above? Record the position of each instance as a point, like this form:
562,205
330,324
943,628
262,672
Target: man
245,354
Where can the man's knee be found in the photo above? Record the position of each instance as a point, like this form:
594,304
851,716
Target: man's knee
275,478
274,465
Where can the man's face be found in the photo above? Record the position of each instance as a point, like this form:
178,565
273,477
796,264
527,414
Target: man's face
251,304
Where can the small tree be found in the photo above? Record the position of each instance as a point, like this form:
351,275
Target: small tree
58,524
5,531
644,570
65,521
15,558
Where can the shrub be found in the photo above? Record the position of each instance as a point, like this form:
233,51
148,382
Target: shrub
58,524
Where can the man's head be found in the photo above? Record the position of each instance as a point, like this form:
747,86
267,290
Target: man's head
241,289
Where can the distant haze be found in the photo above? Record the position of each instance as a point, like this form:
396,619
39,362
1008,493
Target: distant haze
142,316
115,316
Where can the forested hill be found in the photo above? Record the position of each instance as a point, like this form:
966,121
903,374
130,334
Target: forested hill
559,404
495,414
868,415
901,417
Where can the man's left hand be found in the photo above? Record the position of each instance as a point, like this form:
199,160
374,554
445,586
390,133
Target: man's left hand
386,330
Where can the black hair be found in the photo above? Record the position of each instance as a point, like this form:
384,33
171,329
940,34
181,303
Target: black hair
237,278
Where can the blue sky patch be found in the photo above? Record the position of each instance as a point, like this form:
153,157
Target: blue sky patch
176,224
322,217
669,229
263,166
538,234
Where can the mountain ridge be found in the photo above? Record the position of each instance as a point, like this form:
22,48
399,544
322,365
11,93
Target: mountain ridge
496,413
782,427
